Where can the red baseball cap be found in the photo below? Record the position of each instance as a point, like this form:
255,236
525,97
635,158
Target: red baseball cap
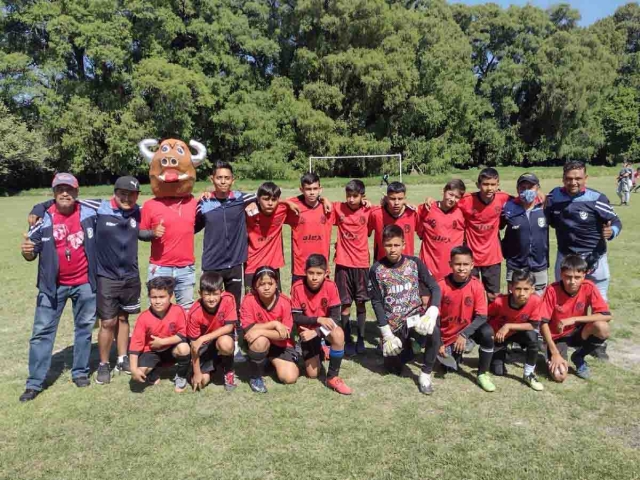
64,179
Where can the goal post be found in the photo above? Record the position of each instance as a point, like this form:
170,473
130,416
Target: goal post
347,157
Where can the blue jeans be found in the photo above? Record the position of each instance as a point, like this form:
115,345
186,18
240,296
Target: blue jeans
185,278
601,275
45,327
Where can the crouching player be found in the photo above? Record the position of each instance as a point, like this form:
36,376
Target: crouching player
267,322
566,321
210,328
159,337
463,314
315,303
400,288
514,319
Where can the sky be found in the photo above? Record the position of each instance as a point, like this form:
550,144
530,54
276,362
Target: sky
591,10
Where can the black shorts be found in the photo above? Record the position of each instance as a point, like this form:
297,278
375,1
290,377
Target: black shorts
115,296
312,348
490,276
352,284
282,353
563,343
248,280
156,359
209,357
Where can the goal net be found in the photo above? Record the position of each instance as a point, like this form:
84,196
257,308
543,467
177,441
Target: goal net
388,167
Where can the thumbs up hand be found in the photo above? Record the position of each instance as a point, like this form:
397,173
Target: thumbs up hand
158,230
27,247
607,231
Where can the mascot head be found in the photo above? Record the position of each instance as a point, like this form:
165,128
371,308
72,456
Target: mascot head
172,168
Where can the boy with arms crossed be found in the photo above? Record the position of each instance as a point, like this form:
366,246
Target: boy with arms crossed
315,305
566,321
210,329
514,318
159,337
400,288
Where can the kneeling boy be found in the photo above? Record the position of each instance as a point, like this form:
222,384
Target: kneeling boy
514,319
315,304
210,328
566,321
159,337
463,314
400,288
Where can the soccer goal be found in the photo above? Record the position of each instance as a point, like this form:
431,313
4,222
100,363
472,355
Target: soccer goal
395,157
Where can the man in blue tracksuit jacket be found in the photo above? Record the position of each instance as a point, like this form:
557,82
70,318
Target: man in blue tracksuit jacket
65,242
525,244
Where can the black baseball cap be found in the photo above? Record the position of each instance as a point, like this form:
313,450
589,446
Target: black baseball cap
528,177
128,183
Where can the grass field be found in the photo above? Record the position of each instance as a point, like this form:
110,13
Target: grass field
578,430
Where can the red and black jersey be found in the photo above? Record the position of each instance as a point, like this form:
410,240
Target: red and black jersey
148,324
482,227
310,233
201,322
558,305
459,306
353,235
314,304
439,231
501,312
265,239
380,218
252,311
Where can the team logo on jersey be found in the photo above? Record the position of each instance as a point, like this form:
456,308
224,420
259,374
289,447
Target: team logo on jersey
362,220
468,301
431,222
323,219
172,328
302,220
133,223
497,210
341,218
260,318
523,318
90,232
407,229
583,215
580,306
446,300
324,302
542,222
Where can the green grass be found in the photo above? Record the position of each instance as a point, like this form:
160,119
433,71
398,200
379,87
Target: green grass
579,430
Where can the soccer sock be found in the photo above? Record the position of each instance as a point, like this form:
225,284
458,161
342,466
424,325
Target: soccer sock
346,326
227,363
258,361
532,354
182,362
335,360
529,369
589,346
362,318
484,360
121,358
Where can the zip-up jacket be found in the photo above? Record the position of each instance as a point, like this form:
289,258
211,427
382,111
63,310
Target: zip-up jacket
525,244
225,230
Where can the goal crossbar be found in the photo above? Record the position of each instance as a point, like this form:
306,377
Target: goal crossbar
396,155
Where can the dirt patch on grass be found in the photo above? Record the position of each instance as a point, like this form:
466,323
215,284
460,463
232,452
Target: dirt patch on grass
625,354
629,435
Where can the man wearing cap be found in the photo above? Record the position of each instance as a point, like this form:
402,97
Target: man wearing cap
65,243
525,244
118,278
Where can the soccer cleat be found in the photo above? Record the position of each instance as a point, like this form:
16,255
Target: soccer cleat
360,348
257,385
82,381
153,377
498,368
230,381
533,382
485,382
350,348
582,368
180,384
103,375
123,366
29,394
469,346
425,385
337,384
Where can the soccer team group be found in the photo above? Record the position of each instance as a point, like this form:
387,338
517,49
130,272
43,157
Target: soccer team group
435,306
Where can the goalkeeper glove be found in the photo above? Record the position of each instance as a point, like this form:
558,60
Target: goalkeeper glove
391,345
428,321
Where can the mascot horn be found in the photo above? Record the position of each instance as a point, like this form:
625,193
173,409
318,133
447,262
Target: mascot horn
172,167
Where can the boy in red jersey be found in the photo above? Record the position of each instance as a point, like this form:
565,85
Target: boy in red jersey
267,322
352,264
514,318
311,228
482,212
394,212
463,314
159,337
210,330
315,304
441,227
566,321
265,232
